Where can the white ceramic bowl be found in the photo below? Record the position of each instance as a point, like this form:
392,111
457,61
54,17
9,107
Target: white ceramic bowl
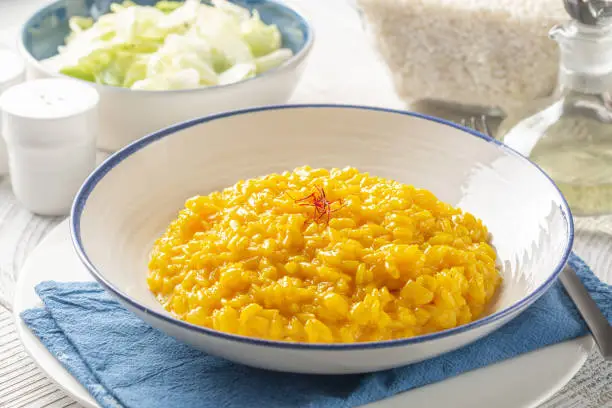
126,115
130,199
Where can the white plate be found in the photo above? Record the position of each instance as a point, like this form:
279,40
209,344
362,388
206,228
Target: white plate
526,381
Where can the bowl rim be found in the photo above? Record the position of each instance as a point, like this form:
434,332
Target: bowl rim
290,64
94,178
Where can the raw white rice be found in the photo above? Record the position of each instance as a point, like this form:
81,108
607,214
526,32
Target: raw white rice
483,52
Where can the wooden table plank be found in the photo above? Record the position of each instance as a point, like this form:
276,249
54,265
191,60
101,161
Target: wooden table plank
22,383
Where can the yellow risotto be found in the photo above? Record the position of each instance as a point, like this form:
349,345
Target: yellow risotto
318,255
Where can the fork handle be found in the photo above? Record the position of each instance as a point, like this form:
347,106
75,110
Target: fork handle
598,324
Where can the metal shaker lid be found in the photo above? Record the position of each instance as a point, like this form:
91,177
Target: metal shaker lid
590,12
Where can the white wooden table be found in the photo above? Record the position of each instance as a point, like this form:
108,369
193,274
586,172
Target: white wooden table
361,80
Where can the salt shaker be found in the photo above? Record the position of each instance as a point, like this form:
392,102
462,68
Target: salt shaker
49,126
12,72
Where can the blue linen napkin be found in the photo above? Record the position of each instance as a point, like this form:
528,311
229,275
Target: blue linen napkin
123,362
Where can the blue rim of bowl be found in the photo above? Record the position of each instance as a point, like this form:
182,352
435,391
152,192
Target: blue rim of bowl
294,61
95,177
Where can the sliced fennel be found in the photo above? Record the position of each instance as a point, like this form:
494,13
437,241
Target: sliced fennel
238,72
272,60
172,45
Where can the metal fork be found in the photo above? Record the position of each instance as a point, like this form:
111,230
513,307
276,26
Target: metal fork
479,124
596,321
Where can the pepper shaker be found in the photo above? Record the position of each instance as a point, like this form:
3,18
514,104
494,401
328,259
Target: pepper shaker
49,126
12,72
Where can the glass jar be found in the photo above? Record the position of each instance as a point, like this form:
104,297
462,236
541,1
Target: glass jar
569,135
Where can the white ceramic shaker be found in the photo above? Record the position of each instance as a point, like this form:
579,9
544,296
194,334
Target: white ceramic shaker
50,128
12,72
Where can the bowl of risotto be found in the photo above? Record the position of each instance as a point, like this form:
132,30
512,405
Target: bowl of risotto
322,238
